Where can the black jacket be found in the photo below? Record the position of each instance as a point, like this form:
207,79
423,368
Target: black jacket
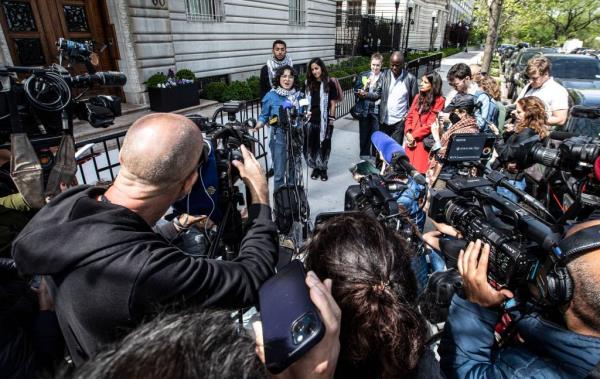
265,83
409,81
107,268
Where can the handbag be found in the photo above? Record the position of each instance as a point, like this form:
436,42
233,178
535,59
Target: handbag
428,142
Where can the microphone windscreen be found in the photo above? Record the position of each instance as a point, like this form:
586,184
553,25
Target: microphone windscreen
386,145
597,168
287,104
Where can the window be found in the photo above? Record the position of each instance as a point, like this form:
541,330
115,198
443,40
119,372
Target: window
203,10
338,13
414,17
371,7
297,12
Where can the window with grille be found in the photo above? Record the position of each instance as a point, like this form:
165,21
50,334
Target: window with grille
203,10
371,7
297,12
338,13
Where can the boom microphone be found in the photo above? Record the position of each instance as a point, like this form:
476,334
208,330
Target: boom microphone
394,154
104,78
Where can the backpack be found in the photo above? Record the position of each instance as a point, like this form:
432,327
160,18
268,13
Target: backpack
290,205
493,110
338,89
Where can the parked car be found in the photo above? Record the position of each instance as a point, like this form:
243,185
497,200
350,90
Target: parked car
517,67
585,120
572,71
502,48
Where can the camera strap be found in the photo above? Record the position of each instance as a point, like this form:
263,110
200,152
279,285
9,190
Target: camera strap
582,242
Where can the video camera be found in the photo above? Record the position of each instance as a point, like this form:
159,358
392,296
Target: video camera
44,104
573,167
520,241
226,140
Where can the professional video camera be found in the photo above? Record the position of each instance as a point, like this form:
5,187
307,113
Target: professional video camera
375,192
572,176
44,104
223,146
39,112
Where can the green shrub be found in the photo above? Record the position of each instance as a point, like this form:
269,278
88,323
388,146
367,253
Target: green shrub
254,85
214,91
338,74
451,51
185,74
237,91
156,79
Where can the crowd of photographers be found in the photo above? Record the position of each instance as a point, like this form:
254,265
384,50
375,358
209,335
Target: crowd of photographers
117,299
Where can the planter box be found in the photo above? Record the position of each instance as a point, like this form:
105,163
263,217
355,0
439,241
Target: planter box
172,98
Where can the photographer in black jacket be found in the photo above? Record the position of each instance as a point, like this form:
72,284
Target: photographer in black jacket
107,269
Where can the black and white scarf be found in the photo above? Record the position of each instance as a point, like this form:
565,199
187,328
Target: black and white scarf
273,64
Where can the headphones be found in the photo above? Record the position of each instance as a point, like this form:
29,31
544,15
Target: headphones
556,285
204,155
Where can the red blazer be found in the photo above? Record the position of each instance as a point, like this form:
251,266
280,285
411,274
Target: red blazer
419,125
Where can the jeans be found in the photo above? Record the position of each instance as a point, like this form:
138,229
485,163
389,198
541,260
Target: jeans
396,131
367,126
520,184
279,153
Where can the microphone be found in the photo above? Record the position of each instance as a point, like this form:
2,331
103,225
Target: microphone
561,136
104,78
394,154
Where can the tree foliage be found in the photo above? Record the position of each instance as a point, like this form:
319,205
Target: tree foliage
546,22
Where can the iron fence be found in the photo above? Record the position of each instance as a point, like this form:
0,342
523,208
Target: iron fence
103,152
359,34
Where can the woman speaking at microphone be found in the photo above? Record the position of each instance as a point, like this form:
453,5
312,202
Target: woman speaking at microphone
284,94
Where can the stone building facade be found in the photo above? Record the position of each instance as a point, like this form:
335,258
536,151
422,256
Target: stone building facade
214,38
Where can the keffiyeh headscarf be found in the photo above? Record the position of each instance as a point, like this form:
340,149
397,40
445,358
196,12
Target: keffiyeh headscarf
273,64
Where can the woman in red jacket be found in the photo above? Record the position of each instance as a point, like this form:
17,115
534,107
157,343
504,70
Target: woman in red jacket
423,112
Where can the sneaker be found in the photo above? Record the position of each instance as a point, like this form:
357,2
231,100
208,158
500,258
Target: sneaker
315,174
324,176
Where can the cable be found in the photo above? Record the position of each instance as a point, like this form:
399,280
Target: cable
47,83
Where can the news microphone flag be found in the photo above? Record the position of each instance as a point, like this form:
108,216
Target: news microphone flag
287,104
386,145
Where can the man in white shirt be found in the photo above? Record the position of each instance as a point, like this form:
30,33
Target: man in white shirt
399,88
543,86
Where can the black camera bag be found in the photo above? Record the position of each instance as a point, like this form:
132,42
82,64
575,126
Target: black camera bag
290,205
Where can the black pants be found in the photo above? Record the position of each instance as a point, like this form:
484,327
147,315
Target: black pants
367,126
316,152
396,131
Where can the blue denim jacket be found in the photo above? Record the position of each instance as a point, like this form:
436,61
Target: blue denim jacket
548,352
409,199
271,103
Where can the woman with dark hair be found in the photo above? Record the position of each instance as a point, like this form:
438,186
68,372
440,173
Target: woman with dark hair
284,90
321,92
421,115
382,332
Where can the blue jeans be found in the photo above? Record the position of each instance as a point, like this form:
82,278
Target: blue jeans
520,184
279,154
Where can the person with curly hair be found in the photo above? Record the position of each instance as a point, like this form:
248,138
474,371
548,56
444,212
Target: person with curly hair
531,119
488,85
382,335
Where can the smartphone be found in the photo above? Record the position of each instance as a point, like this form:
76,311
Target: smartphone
290,321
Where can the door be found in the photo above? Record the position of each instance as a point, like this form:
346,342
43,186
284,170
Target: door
32,28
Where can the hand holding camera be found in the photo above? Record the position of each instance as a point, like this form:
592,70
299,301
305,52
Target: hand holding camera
254,176
473,267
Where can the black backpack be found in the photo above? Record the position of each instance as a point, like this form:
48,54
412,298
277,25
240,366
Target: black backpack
290,205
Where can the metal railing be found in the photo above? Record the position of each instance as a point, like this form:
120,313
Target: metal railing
103,164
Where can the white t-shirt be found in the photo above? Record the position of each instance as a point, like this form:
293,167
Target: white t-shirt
554,96
397,105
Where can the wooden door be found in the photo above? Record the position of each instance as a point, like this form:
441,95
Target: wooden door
32,28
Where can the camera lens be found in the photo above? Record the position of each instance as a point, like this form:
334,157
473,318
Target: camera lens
303,328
